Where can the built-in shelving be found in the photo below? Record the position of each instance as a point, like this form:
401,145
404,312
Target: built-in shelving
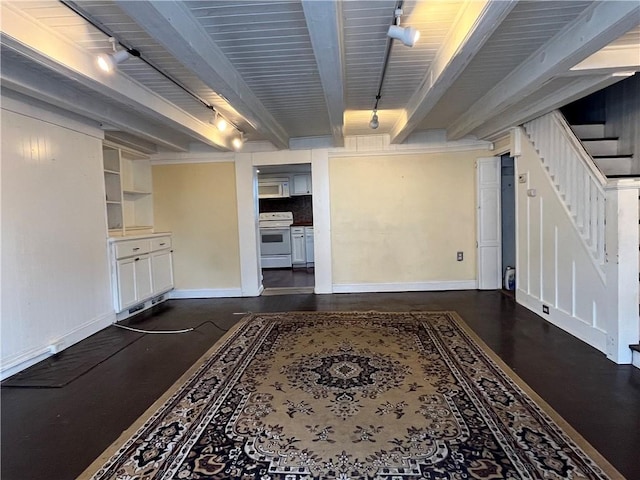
128,188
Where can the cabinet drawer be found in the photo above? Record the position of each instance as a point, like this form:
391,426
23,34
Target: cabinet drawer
297,230
160,243
131,247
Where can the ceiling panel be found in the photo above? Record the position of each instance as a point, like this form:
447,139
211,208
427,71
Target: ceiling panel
509,46
288,85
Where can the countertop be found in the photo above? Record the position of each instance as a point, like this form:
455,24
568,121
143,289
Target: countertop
302,224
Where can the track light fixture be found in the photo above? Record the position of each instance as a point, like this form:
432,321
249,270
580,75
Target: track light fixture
220,122
374,123
407,35
237,142
107,62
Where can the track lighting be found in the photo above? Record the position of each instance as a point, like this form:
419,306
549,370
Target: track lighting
108,61
407,35
374,123
220,122
237,142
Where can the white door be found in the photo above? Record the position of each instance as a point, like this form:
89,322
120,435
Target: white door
489,235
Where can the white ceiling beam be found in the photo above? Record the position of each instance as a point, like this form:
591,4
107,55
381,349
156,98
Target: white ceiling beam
597,26
42,46
528,110
173,26
474,25
19,77
611,58
324,21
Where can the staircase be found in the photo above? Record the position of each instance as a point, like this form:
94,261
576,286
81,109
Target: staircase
606,155
604,150
600,189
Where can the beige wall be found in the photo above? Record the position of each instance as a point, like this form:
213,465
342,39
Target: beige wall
197,202
402,218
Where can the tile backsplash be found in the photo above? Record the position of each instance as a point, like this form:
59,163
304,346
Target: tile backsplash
300,205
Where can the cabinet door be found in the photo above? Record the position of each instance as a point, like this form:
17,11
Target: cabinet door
301,184
298,248
144,288
126,283
162,267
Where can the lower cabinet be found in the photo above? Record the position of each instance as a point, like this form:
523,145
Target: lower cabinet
134,280
142,270
162,271
298,255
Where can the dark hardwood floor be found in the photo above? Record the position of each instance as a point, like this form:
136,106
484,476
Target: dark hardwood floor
55,433
288,277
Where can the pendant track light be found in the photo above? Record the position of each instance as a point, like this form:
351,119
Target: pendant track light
407,35
374,123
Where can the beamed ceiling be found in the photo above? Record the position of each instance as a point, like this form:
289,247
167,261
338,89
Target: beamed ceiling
283,70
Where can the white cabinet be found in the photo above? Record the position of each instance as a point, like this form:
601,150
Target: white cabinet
308,240
134,280
162,270
127,179
301,184
298,252
142,270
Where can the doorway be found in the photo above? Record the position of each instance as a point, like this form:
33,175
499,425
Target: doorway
287,189
508,221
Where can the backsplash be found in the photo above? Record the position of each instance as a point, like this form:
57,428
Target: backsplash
300,205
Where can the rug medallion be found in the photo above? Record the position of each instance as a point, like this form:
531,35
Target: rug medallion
350,396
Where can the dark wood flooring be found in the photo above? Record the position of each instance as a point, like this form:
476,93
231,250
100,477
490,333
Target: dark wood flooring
55,433
288,277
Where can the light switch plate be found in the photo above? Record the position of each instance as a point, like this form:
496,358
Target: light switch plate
522,178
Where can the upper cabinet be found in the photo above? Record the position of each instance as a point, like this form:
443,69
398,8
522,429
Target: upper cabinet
301,184
129,200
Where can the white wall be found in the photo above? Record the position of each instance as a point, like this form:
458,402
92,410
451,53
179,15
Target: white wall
55,273
554,267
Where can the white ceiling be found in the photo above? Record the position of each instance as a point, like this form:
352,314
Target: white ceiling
287,69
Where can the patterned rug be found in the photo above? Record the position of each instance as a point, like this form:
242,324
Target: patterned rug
351,396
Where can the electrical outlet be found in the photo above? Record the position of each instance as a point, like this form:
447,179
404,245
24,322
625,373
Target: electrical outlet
460,256
522,178
545,308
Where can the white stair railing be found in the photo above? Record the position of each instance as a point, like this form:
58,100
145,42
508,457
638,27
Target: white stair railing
575,176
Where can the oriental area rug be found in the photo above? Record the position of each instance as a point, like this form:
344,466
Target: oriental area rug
350,396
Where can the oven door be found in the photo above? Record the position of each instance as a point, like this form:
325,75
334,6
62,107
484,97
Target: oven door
275,241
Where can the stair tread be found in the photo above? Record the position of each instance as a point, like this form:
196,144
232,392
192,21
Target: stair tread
635,347
597,139
612,156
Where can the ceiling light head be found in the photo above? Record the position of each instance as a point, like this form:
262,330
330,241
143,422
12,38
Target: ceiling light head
407,35
374,123
108,62
237,142
220,122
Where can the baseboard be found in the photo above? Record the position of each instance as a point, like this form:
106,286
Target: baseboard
17,363
405,287
206,293
577,327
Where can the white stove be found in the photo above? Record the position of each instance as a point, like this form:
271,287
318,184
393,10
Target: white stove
275,239
275,219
